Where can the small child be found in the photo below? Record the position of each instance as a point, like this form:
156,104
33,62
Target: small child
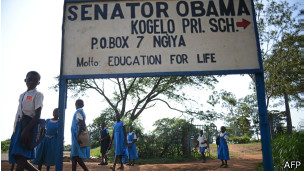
120,138
104,143
132,147
28,114
46,151
202,143
223,152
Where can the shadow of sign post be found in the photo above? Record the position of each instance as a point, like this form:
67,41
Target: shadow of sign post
111,39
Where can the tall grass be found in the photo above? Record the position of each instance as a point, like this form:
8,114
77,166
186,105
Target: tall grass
286,149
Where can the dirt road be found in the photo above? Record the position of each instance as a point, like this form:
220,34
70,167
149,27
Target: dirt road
243,158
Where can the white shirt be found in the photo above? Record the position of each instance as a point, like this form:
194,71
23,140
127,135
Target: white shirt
134,137
29,101
201,139
225,137
79,115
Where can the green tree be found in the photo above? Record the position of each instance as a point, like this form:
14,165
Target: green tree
283,70
173,136
5,146
278,31
131,96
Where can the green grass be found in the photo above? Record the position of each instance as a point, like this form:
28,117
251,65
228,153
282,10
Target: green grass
178,159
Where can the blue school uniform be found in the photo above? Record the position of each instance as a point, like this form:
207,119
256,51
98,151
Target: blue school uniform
46,151
119,139
223,152
16,148
132,151
76,150
29,101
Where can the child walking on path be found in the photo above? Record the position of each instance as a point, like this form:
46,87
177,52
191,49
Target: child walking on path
78,153
28,114
46,151
120,138
223,152
202,143
132,147
104,143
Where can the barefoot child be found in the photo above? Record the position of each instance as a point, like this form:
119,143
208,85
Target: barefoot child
223,152
132,147
46,151
28,114
104,143
120,138
202,143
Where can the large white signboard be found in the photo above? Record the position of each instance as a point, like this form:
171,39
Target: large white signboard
129,37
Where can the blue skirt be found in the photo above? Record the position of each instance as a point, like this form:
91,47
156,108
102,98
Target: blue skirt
17,149
76,150
46,152
132,152
223,152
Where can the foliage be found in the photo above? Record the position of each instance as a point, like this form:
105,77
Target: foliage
242,114
108,116
279,37
288,148
5,146
67,147
239,140
172,136
131,96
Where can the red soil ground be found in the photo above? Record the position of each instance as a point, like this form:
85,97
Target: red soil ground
243,158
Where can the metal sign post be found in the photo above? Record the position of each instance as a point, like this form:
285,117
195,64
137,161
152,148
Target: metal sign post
263,121
112,39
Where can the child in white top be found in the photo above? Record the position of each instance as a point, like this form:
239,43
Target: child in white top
202,143
28,114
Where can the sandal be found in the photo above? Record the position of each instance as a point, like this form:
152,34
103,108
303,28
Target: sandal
121,168
222,165
132,164
225,166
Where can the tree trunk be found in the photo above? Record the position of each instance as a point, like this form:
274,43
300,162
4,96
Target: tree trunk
288,116
271,131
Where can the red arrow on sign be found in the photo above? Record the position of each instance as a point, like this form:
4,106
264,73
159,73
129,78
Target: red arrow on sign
244,23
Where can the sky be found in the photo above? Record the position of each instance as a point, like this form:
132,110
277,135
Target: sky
31,32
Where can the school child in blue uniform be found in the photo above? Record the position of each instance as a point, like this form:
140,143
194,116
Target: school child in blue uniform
132,147
223,152
28,114
46,151
78,153
104,143
120,138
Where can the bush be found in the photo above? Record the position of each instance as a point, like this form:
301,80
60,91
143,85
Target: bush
286,149
239,140
5,146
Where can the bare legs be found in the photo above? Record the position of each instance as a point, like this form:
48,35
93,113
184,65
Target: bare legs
115,161
78,160
22,164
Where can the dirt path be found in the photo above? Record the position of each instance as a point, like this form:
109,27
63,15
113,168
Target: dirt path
244,158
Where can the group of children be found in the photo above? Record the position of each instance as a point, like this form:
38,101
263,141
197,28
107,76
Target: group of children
28,114
222,153
125,147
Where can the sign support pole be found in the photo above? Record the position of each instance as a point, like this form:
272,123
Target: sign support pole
62,107
264,124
